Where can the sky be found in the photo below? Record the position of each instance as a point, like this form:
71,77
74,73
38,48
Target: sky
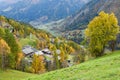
9,1
14,1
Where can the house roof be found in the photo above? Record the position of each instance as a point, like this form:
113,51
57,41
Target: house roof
39,53
59,57
46,50
28,49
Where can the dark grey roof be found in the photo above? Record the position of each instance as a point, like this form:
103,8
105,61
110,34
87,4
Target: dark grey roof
46,50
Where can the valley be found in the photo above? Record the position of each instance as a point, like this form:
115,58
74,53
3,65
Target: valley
59,39
80,20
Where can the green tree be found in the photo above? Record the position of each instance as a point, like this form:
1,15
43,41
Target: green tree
10,39
15,49
100,31
2,32
56,60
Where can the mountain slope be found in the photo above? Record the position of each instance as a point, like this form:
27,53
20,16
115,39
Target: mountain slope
80,20
42,10
73,26
90,10
104,68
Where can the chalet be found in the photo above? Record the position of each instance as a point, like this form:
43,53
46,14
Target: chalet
46,55
39,53
28,51
6,25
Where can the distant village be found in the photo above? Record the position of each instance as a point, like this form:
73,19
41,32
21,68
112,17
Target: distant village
29,51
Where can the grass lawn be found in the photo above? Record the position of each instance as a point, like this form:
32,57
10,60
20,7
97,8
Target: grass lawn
104,68
14,75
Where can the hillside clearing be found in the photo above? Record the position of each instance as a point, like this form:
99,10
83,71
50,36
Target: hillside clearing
104,68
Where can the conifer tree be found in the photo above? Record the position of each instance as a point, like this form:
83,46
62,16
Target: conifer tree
10,39
2,32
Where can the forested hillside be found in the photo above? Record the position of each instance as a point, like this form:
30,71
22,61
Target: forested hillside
25,48
11,33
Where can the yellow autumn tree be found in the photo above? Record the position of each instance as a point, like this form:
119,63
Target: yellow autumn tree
20,56
62,55
4,51
38,64
3,18
71,49
102,29
63,58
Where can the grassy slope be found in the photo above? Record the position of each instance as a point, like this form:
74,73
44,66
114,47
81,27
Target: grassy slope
14,75
104,68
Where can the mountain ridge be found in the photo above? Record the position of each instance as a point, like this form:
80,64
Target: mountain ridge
81,19
90,10
42,10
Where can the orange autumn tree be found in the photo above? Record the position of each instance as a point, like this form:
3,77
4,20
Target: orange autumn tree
4,52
